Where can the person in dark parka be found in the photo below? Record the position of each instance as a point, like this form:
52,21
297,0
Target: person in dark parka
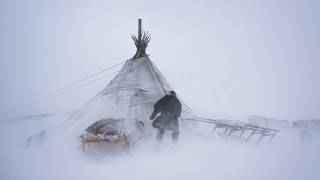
169,108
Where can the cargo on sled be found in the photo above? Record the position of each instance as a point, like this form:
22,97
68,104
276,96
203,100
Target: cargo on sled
105,136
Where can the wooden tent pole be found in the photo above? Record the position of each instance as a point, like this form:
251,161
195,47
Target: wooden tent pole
139,29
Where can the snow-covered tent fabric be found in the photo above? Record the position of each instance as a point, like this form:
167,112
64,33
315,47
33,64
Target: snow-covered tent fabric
129,96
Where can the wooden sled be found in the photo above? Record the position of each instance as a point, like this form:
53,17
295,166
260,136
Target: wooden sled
104,144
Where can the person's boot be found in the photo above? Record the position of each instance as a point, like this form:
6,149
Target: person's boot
159,135
175,136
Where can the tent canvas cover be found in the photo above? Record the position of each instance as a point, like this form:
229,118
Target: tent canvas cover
130,95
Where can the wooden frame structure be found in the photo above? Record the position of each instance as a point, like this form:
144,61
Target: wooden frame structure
141,42
231,127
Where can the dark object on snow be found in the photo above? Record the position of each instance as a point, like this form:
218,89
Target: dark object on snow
170,108
140,126
106,126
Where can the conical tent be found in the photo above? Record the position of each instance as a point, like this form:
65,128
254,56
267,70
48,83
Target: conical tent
130,96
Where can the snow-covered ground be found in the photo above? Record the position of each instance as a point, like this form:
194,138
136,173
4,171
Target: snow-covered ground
56,156
226,59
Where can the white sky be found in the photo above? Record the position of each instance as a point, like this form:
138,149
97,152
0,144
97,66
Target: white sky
224,58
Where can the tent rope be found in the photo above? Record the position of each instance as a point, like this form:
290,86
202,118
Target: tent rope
76,84
74,88
157,77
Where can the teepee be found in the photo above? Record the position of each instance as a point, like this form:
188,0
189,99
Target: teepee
131,94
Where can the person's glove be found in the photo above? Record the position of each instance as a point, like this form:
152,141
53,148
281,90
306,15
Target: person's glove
153,115
154,124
